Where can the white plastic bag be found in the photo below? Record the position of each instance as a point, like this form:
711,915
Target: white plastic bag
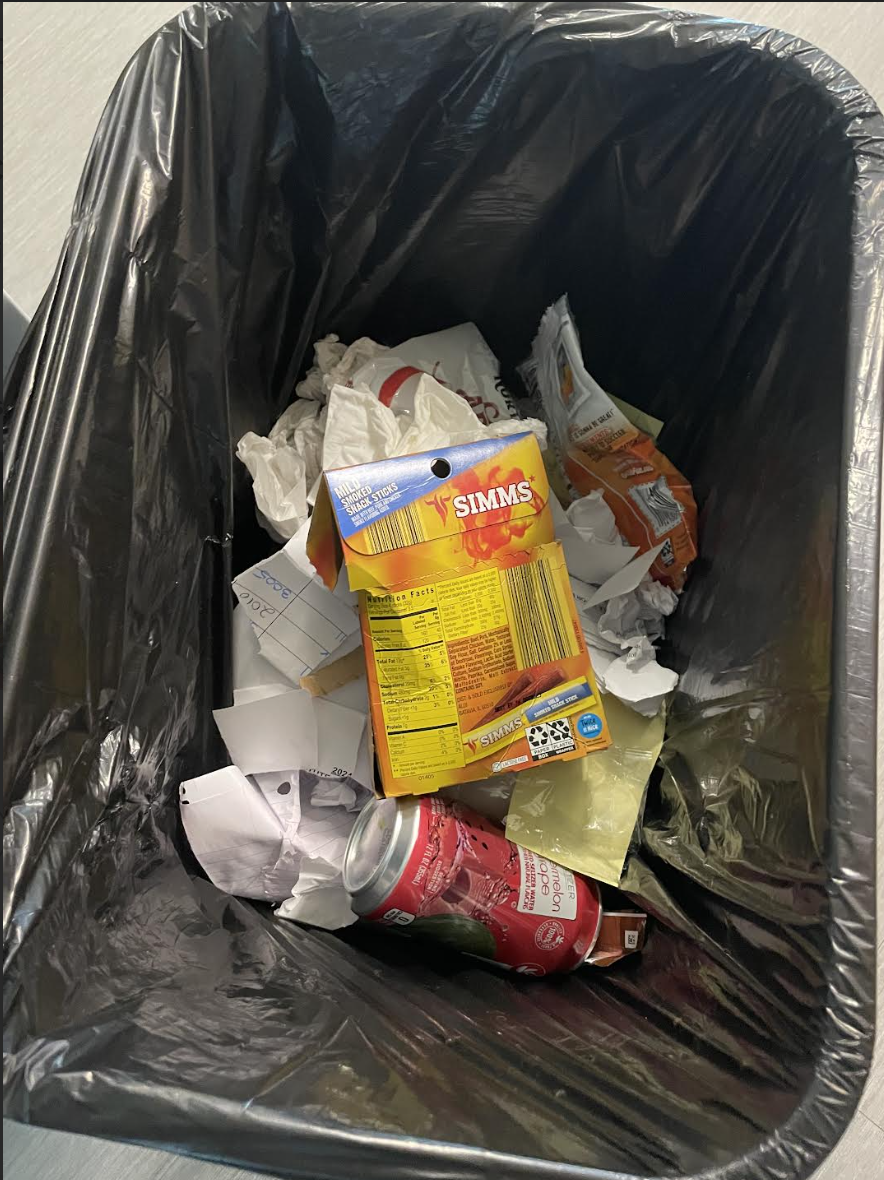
458,358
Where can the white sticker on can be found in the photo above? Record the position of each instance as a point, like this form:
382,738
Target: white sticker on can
545,888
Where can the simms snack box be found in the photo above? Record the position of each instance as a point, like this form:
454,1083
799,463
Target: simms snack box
476,661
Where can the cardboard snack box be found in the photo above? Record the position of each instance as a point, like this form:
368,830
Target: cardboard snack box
475,657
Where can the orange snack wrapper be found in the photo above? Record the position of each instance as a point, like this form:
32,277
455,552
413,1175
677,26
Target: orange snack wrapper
600,449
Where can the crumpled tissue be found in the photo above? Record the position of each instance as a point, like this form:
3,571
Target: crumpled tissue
361,429
335,363
285,466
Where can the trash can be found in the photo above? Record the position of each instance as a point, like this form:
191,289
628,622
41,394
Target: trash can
711,196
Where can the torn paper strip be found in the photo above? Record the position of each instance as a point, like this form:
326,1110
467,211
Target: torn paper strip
627,579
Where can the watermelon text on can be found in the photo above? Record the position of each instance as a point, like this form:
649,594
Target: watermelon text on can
438,870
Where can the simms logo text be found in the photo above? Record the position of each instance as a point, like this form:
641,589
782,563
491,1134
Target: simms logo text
501,731
514,493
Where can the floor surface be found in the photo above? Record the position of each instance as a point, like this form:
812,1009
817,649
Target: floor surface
53,98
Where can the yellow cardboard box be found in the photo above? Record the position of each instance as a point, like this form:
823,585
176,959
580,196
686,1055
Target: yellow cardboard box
475,656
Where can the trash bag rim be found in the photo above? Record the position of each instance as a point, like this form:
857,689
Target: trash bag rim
826,1109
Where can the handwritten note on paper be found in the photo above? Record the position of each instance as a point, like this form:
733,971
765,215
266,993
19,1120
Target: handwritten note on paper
297,620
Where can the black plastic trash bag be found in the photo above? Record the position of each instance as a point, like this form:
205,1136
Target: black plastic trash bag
711,196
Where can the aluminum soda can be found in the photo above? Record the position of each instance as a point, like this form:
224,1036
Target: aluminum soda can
438,870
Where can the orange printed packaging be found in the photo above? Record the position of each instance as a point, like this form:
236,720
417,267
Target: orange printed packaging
476,661
602,450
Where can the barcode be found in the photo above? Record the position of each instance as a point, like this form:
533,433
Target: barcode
397,530
657,504
541,632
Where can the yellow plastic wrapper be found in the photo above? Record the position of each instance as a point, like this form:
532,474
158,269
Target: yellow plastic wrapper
582,814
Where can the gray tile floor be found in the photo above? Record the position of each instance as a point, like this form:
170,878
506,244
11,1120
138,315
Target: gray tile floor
52,101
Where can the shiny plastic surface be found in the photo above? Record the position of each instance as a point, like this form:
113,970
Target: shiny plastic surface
582,814
711,197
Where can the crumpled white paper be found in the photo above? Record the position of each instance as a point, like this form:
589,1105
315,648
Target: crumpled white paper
619,633
361,429
274,837
335,363
593,547
279,833
621,609
634,678
285,466
627,618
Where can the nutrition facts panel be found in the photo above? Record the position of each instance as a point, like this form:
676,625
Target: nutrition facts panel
414,681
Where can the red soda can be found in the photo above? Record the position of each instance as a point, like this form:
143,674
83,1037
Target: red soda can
438,870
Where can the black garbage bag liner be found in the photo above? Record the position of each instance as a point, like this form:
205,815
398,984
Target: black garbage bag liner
711,196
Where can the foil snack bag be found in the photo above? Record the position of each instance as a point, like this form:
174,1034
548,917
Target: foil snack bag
600,449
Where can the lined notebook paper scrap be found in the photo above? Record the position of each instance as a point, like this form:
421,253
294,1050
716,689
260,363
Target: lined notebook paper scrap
298,622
